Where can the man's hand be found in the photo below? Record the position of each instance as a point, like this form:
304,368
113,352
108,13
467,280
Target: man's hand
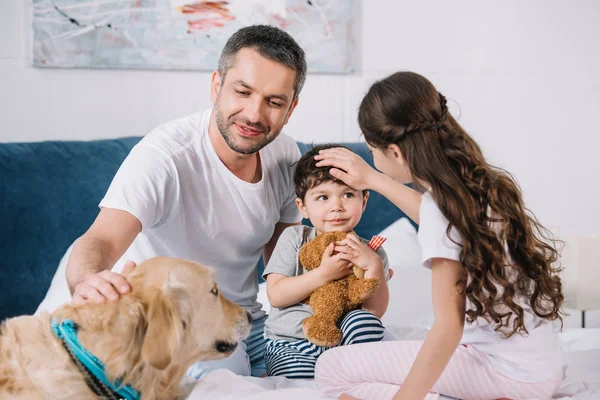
333,267
96,288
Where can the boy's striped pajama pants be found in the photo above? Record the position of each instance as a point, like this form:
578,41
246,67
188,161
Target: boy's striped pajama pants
297,359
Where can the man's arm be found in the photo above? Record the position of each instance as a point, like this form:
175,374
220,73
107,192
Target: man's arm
270,246
94,254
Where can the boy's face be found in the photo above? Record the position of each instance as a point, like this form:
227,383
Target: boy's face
332,206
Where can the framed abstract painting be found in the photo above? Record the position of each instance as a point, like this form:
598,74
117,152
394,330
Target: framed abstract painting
183,34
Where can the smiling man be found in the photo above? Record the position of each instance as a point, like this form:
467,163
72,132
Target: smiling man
214,187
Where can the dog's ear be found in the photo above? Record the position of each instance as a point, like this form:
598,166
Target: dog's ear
163,330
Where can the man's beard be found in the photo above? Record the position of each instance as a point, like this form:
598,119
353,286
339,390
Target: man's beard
223,126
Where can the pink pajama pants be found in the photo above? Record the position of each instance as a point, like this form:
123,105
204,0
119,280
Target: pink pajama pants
376,371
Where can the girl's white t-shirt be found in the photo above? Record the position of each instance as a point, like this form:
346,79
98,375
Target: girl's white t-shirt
192,207
532,358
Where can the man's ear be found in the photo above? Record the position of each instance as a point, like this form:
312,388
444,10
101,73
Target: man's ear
215,86
291,110
302,208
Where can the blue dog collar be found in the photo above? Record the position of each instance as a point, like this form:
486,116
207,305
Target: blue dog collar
67,332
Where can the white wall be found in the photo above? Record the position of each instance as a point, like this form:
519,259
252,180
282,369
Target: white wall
525,73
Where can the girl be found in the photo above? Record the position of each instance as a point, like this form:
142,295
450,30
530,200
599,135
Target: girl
495,290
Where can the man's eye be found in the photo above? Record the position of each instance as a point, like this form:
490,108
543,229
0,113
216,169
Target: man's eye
242,93
215,291
276,105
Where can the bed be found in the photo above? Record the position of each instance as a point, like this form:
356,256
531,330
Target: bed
403,320
581,346
582,374
50,196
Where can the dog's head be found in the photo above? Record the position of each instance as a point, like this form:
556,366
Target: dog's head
173,316
186,317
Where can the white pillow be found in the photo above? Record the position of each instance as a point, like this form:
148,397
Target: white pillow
402,245
262,297
410,287
58,293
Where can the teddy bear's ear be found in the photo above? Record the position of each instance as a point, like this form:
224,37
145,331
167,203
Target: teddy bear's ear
309,256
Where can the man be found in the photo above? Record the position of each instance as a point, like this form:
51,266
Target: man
207,187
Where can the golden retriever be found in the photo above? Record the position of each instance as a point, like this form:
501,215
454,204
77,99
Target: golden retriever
173,317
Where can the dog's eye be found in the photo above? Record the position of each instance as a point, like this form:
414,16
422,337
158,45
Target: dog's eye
215,291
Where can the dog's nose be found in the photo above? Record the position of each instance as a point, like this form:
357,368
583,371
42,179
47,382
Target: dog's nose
225,347
249,316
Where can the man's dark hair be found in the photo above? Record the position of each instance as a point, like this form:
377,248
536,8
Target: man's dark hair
271,43
308,175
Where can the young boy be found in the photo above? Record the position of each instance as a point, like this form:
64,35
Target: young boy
331,206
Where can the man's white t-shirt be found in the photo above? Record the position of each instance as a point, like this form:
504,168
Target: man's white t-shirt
532,358
192,207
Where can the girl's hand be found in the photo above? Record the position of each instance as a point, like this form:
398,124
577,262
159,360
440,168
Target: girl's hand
353,249
358,173
333,266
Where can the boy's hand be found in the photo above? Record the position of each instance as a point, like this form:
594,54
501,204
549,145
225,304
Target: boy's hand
332,266
352,249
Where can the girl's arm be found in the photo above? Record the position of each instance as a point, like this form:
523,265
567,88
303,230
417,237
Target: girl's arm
445,335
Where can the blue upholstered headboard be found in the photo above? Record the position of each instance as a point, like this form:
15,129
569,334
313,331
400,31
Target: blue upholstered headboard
49,195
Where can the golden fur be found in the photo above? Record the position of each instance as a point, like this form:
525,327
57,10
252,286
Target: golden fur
149,338
333,300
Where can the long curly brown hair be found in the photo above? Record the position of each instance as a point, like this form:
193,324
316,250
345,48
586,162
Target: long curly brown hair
505,252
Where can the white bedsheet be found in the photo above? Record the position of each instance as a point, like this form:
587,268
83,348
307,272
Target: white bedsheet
410,306
582,374
581,349
224,385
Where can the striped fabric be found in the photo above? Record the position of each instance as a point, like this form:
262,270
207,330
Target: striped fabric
376,371
297,359
376,242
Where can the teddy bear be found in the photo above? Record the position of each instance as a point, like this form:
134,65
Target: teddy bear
332,301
